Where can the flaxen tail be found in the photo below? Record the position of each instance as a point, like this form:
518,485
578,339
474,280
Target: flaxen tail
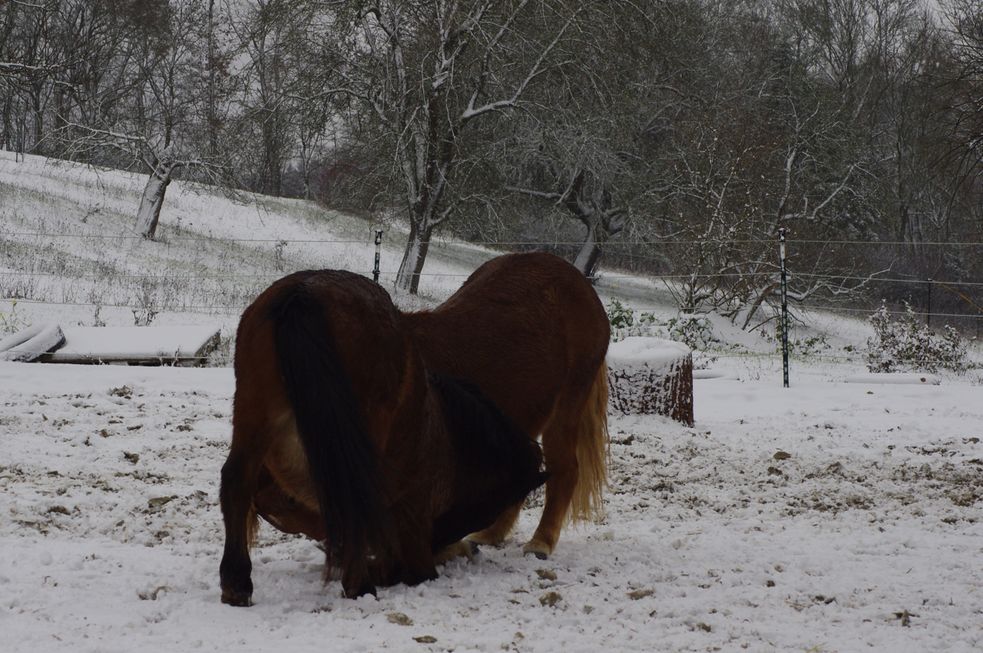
592,452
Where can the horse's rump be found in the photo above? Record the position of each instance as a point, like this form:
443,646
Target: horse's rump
341,452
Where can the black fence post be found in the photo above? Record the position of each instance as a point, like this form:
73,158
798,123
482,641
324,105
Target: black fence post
378,251
928,312
784,318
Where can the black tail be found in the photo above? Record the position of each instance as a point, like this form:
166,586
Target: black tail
341,459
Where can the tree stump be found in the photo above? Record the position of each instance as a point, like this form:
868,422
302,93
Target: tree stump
651,376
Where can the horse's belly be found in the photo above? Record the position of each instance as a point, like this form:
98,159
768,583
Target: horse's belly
287,464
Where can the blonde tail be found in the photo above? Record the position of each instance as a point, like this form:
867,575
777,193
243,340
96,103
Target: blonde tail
592,452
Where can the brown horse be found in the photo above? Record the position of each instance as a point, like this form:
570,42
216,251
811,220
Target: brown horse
529,330
531,333
335,410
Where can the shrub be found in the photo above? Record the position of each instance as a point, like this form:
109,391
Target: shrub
11,321
905,344
619,315
695,331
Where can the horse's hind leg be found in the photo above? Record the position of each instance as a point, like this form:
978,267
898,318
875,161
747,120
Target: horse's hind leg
416,560
560,455
575,451
239,478
497,532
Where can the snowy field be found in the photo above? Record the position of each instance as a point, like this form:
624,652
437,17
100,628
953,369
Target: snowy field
868,536
830,516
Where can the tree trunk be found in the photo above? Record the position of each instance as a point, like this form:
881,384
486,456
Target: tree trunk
408,277
651,376
38,124
305,162
271,183
148,214
6,127
590,253
211,112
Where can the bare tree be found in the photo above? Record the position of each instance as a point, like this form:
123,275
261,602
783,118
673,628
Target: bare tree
424,73
965,82
577,180
268,32
153,123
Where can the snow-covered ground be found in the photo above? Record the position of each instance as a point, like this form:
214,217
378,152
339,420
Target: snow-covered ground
868,536
830,516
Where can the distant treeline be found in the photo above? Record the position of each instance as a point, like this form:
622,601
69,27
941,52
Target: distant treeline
672,136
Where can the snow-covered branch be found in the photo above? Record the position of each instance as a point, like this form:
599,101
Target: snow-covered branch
472,111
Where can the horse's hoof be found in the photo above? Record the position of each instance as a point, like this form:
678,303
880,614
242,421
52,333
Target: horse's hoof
237,599
477,539
460,549
537,549
362,590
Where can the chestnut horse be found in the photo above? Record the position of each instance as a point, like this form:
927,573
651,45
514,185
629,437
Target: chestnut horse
530,332
335,409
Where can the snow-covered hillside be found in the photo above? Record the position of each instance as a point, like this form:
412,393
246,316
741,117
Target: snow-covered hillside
68,243
829,516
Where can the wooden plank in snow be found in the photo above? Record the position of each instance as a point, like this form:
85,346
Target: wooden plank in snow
31,343
152,345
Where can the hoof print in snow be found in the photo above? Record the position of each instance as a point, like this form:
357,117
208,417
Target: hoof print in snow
782,455
425,639
131,457
635,595
125,392
399,619
157,503
550,599
151,595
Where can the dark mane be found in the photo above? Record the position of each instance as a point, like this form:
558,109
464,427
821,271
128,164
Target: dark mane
480,431
499,462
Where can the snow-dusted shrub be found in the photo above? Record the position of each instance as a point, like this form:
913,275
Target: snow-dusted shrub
619,315
695,331
625,322
804,347
11,321
906,344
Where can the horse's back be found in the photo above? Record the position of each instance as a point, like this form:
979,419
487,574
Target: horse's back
536,291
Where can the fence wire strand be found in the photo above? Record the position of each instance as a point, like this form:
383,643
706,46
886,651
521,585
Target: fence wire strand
228,310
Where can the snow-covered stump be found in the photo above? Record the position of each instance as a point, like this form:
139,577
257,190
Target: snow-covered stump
651,376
